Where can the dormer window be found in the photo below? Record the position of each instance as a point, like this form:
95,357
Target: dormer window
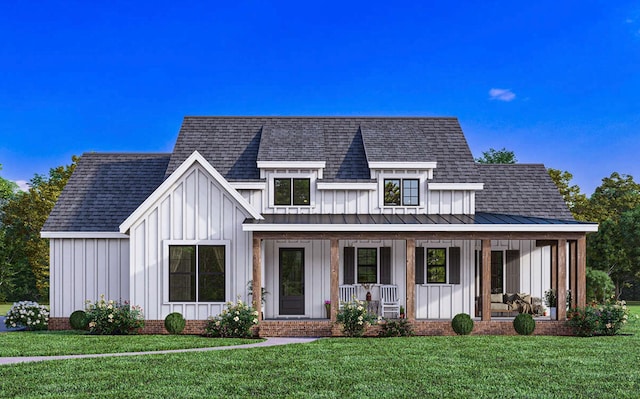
291,191
401,192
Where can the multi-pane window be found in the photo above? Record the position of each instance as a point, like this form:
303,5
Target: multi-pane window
436,265
197,273
288,191
367,265
403,192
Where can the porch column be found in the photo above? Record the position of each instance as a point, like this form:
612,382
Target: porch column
335,260
257,276
411,279
554,265
573,272
485,280
562,280
581,272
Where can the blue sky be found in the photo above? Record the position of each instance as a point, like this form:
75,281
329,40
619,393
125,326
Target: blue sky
556,82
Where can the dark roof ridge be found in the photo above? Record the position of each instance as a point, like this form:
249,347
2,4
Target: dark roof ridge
510,164
318,117
126,153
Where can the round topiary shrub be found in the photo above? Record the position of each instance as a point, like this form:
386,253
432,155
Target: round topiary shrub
79,320
524,324
174,323
462,324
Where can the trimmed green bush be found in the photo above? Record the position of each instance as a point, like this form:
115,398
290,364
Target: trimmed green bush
524,324
234,322
462,324
79,320
174,323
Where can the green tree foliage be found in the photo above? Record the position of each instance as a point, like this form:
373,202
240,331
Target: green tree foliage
24,261
8,190
497,156
575,200
599,285
616,195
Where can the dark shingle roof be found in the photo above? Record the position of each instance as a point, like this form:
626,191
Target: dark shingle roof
104,190
233,145
520,189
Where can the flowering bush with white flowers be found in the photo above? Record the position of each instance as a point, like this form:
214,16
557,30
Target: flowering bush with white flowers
599,319
113,317
354,318
27,314
234,322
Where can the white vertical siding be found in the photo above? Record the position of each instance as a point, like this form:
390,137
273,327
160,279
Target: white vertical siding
196,208
82,269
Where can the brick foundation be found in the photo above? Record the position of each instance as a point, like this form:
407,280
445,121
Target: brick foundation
324,328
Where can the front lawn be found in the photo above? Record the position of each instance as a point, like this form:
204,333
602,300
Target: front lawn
458,367
4,308
50,343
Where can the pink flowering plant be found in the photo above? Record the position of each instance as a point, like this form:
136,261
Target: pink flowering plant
109,317
599,319
27,314
234,322
354,318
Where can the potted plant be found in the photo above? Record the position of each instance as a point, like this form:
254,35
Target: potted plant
551,300
402,312
327,308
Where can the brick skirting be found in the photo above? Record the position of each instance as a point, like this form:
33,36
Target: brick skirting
324,328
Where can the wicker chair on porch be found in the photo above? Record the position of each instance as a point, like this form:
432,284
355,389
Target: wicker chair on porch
389,300
347,294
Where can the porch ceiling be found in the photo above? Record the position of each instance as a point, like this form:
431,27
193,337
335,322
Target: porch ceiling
478,223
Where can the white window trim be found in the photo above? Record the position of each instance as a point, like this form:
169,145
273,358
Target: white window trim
272,190
165,269
422,192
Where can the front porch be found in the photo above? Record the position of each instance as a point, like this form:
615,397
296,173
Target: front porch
564,260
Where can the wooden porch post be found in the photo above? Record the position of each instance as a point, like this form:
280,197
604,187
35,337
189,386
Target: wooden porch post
554,266
562,280
257,276
581,272
335,261
573,272
485,281
411,279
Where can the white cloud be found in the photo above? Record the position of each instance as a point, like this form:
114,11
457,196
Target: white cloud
502,95
23,185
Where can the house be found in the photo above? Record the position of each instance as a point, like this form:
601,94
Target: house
302,206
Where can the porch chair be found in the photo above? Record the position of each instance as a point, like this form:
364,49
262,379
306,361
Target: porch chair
347,294
389,300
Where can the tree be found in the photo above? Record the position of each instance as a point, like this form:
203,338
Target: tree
26,255
608,249
575,200
497,156
8,190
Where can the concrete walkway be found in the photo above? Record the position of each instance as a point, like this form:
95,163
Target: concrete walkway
267,342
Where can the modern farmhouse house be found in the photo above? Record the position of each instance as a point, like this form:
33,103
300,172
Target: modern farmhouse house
313,209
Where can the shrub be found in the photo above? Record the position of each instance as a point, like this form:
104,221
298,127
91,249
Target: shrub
234,322
599,285
79,320
174,323
27,314
524,324
462,324
113,317
396,328
605,319
354,318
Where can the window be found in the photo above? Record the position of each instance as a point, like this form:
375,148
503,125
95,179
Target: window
436,265
367,265
289,191
403,192
197,273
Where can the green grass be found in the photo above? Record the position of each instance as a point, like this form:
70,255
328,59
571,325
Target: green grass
50,343
458,367
4,308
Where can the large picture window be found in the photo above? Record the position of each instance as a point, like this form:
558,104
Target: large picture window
292,191
367,271
436,265
197,273
401,192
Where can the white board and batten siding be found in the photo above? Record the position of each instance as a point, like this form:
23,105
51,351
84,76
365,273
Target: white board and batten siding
83,269
195,209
